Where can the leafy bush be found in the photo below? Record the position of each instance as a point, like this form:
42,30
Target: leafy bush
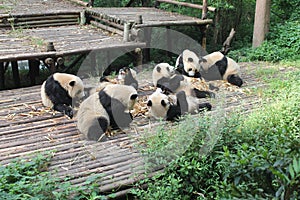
283,43
29,179
256,157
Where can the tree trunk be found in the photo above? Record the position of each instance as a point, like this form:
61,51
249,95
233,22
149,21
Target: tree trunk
261,22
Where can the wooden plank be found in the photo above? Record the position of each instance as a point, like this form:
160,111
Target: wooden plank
175,23
191,5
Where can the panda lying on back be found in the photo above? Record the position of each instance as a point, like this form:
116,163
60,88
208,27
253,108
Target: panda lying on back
164,77
106,109
161,105
59,90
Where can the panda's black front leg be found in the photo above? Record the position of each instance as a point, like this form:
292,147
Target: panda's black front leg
67,110
203,94
203,106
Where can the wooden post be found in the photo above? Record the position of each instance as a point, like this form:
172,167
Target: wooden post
93,62
261,22
204,9
2,76
139,58
169,41
82,18
203,29
126,32
15,72
51,64
91,3
34,66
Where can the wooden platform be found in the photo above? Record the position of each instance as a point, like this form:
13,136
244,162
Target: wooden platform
31,43
27,128
151,17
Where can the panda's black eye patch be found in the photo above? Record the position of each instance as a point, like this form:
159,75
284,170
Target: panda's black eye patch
190,69
72,83
149,103
163,103
133,97
168,69
190,59
158,69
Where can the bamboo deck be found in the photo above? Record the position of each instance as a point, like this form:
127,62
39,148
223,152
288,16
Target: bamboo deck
151,17
22,44
26,128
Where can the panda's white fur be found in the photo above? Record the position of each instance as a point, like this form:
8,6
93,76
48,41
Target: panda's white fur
109,108
187,64
122,74
59,89
162,70
163,76
230,67
160,104
171,107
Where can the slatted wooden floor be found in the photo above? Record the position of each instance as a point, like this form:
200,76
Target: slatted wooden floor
25,43
150,16
27,128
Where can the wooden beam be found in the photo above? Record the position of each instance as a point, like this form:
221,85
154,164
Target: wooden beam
107,28
190,5
204,10
34,65
15,72
82,3
176,23
2,76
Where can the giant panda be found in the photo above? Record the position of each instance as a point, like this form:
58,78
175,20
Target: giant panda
187,64
127,76
164,77
58,91
109,108
171,108
217,66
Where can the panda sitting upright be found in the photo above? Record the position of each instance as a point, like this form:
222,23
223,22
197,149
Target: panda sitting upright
164,77
59,90
188,64
171,108
109,108
217,66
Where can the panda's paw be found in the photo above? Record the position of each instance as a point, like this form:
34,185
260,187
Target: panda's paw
212,95
69,112
205,106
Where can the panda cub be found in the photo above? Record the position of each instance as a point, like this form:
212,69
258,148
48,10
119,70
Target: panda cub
109,108
127,76
164,77
59,90
217,66
171,108
187,64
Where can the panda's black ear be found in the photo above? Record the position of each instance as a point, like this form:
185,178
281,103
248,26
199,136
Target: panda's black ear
158,69
202,60
72,83
133,97
163,103
190,59
149,103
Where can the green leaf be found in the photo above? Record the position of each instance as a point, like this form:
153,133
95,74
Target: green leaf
291,171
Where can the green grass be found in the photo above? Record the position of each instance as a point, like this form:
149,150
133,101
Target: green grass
253,156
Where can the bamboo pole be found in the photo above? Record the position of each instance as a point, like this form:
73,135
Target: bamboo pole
191,5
